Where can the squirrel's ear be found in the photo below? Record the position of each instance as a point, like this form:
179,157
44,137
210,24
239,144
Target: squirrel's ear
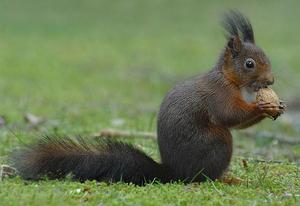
234,45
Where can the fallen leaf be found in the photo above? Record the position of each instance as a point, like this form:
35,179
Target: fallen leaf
33,120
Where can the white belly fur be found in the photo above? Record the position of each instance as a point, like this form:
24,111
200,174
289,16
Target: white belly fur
249,95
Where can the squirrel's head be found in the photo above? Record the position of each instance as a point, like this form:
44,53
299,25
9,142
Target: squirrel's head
245,64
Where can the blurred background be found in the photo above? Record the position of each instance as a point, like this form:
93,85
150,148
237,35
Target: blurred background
82,66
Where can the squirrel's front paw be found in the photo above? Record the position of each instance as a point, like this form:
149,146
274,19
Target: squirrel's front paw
270,109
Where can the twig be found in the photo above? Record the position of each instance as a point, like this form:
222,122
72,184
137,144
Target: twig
124,133
267,161
245,161
281,138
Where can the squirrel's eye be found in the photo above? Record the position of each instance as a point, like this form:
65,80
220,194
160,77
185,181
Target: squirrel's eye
249,63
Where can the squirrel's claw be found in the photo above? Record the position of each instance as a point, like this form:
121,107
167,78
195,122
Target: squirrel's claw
271,109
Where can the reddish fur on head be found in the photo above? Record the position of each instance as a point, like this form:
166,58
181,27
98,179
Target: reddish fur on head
240,50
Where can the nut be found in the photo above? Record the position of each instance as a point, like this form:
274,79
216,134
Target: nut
267,95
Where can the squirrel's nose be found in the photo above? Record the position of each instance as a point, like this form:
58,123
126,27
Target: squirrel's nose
269,79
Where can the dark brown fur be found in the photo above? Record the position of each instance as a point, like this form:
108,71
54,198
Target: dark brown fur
193,127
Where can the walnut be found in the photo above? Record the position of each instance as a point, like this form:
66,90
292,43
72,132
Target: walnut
267,95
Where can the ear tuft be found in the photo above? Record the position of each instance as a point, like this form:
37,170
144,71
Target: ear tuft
236,24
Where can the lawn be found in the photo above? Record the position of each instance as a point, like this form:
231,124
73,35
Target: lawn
84,66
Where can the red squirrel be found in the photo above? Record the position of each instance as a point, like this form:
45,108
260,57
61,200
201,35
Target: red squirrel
193,127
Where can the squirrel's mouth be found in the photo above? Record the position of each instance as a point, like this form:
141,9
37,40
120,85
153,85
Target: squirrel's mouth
258,85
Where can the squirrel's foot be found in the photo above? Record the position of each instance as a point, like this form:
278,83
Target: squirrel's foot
7,171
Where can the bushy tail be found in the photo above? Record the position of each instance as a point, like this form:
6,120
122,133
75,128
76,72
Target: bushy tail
101,160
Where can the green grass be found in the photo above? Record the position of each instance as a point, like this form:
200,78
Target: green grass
84,64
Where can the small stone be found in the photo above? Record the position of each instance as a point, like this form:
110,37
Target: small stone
33,120
7,171
2,121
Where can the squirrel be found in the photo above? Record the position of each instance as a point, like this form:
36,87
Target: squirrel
193,126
